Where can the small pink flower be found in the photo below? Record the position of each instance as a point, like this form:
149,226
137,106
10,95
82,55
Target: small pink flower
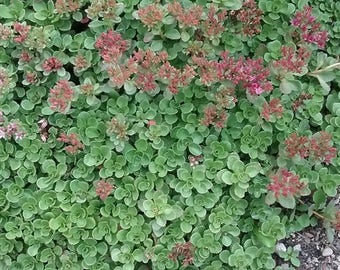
285,183
151,123
52,64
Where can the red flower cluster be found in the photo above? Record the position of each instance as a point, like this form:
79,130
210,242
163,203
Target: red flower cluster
73,141
103,189
188,18
249,72
274,107
310,29
151,15
183,249
52,64
66,6
292,60
285,183
213,25
111,46
60,96
319,147
176,78
297,145
22,30
80,62
213,116
250,16
25,57
11,130
299,101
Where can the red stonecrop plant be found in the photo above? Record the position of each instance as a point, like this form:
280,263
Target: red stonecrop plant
250,17
213,116
151,15
292,60
299,101
320,147
274,107
310,30
248,72
184,251
213,25
22,31
60,96
111,46
103,189
74,144
66,6
52,64
285,183
317,148
186,18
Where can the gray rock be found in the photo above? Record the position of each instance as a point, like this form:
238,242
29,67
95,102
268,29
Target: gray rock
327,251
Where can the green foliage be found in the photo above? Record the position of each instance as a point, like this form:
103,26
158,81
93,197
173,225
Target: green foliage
174,172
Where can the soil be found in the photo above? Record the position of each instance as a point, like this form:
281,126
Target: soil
316,253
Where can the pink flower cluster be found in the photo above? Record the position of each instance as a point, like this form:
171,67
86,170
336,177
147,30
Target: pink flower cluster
66,6
151,15
213,116
249,73
72,140
10,130
103,189
186,18
250,17
52,64
285,183
274,107
185,250
111,46
22,32
60,96
318,147
148,67
310,30
213,25
292,60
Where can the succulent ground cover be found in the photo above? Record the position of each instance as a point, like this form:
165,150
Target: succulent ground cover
166,134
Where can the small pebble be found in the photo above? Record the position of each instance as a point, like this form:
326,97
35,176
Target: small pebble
338,258
327,252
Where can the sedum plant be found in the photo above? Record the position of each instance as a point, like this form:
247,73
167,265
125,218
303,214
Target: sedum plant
161,135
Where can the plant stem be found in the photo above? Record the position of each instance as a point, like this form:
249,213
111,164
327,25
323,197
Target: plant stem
314,212
324,69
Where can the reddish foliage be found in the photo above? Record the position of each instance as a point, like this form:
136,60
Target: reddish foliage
52,64
151,15
274,107
103,189
72,140
310,30
60,96
185,250
292,60
285,183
